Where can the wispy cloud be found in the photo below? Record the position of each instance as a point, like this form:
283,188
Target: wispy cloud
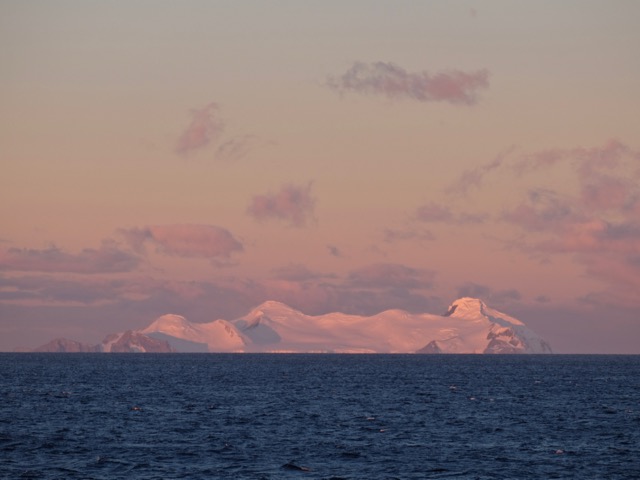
106,259
238,147
434,212
606,192
474,177
389,80
293,204
593,216
543,210
204,127
296,272
184,240
391,235
391,275
488,294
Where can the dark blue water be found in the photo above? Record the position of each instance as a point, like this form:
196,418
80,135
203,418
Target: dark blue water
108,416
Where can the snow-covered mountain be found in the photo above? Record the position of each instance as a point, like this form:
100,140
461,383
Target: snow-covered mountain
132,341
469,326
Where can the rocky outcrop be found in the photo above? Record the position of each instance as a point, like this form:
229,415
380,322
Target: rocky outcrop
64,345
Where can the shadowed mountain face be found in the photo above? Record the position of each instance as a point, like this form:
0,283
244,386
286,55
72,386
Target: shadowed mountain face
65,345
469,326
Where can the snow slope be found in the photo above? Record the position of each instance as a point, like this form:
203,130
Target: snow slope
218,336
469,326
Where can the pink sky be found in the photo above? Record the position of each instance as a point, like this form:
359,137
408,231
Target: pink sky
199,158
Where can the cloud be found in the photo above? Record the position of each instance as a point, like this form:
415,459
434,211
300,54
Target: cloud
292,204
106,259
593,217
296,272
488,294
434,212
474,178
387,79
391,275
204,127
184,240
238,147
54,290
595,236
391,235
604,192
437,213
544,210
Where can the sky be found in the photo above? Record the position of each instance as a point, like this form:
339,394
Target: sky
200,157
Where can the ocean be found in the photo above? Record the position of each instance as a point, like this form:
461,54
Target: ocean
319,416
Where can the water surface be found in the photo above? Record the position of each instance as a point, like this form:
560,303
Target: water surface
261,416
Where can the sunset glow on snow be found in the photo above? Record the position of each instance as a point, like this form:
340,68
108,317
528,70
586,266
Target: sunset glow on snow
201,158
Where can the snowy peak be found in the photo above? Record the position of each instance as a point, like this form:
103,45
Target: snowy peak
272,308
469,326
466,307
170,324
215,336
475,309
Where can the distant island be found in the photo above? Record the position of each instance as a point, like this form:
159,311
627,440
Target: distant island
468,326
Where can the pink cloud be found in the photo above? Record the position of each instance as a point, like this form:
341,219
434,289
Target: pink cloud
204,127
383,78
596,236
593,218
587,163
474,177
187,240
607,156
608,193
293,204
106,259
545,210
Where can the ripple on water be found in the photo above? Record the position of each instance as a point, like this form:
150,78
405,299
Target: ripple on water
318,416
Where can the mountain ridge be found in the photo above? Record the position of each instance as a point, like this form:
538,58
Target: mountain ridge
468,326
